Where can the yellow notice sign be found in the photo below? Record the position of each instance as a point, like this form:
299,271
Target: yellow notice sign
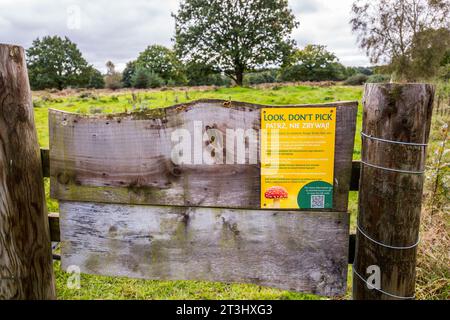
297,157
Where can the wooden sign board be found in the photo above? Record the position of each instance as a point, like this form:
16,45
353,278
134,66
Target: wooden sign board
129,207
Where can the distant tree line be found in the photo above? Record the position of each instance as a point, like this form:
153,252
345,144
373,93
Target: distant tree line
249,42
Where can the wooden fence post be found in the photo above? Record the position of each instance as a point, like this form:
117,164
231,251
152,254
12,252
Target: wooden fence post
396,126
26,269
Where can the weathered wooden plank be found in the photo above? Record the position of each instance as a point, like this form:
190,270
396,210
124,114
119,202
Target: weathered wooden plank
301,251
25,255
354,180
53,220
126,158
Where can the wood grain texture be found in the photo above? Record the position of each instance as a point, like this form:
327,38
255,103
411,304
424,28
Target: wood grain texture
26,270
300,251
53,220
354,180
126,158
390,202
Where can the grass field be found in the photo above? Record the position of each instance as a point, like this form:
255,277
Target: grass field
96,287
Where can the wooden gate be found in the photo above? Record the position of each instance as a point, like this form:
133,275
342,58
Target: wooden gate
126,209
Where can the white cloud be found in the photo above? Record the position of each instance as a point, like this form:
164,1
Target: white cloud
119,30
328,25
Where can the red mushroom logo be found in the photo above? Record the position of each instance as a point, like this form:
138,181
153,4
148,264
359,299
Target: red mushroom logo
276,193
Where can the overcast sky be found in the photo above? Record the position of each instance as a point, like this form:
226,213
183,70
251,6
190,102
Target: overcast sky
118,30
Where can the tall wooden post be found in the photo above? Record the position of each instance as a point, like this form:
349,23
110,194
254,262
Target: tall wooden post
26,270
396,126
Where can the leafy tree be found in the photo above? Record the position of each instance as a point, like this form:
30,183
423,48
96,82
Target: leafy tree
162,61
200,74
140,79
54,62
95,79
234,35
356,80
378,78
313,63
351,71
387,28
128,73
444,70
144,78
446,58
112,78
429,51
263,76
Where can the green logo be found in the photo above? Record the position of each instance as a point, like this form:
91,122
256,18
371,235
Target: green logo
316,195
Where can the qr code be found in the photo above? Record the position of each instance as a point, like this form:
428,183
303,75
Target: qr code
317,201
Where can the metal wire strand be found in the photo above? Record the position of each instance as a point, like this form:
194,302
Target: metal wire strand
382,291
386,245
393,141
390,169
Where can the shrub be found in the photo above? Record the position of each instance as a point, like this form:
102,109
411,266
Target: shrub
127,74
378,78
217,80
96,80
171,83
87,95
113,81
199,74
37,103
351,71
144,78
356,80
154,80
268,76
292,73
95,110
140,79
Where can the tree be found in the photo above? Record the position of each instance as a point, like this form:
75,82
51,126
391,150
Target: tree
234,36
386,28
261,76
313,63
429,52
54,62
144,78
199,74
95,79
162,61
112,78
128,73
351,71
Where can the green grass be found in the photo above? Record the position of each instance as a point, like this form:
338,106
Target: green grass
99,287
